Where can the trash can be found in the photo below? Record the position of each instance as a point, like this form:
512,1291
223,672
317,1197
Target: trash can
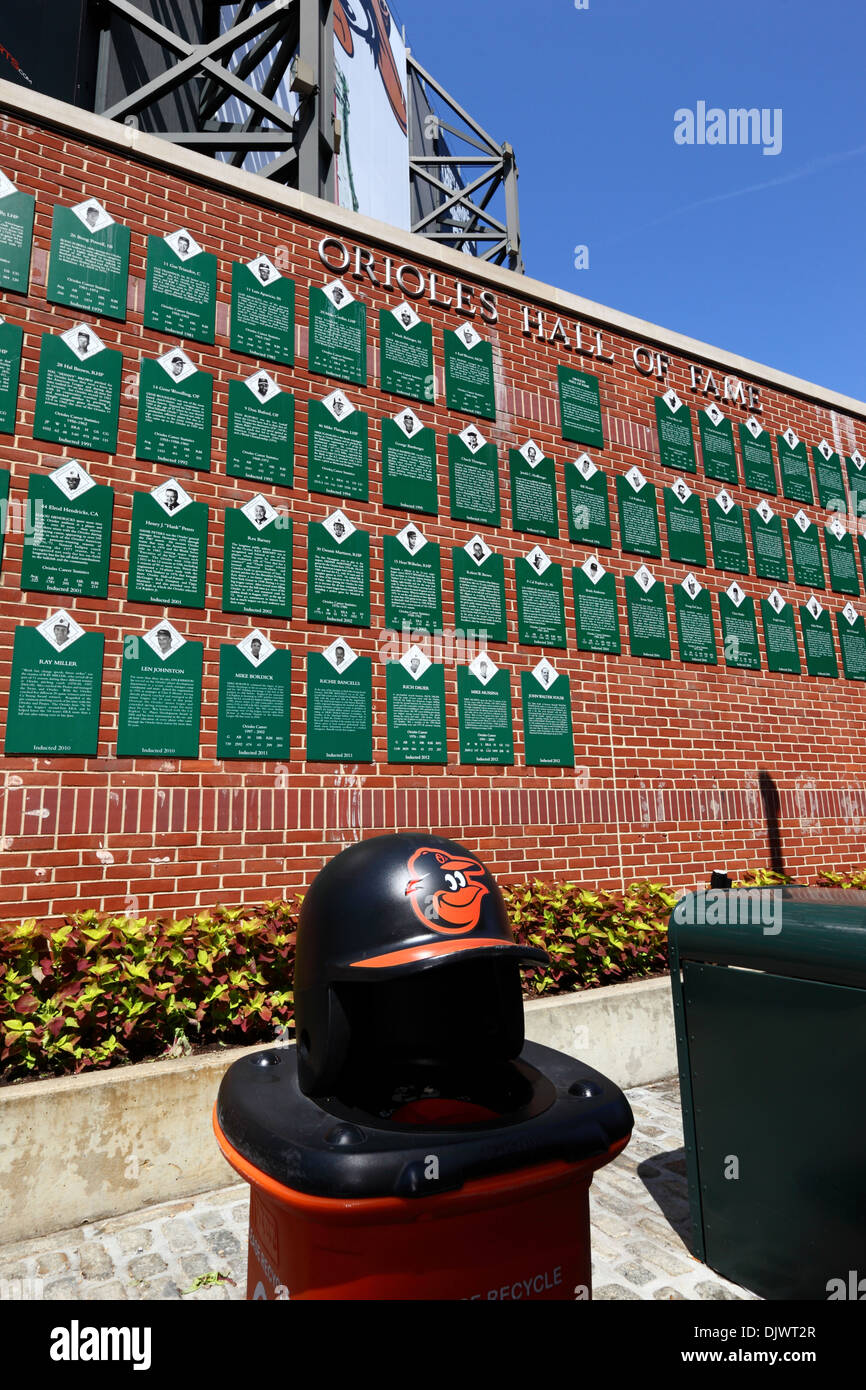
769,994
412,1145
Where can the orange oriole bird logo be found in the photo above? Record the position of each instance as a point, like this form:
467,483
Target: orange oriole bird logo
371,21
444,890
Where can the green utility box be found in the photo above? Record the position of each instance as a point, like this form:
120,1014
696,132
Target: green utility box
769,992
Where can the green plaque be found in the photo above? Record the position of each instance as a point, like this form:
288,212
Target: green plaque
260,440
647,614
818,639
413,581
55,689
540,602
338,334
696,637
794,467
479,590
596,615
548,732
415,696
263,312
16,236
257,560
768,543
533,491
254,714
586,498
160,695
727,533
180,287
338,572
409,464
828,472
168,548
739,628
67,548
580,407
638,514
684,520
856,466
840,558
759,469
861,546
852,642
11,338
175,408
469,373
339,706
89,262
473,470
484,713
337,448
806,551
675,435
78,390
406,353
4,509
717,445
780,634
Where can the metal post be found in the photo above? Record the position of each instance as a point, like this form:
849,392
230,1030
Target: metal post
512,211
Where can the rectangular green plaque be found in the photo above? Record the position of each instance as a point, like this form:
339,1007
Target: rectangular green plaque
473,471
727,533
647,614
780,634
638,514
67,548
852,643
828,473
168,548
717,445
806,551
338,334
415,696
88,266
413,581
768,543
586,499
479,590
794,467
469,373
756,446
4,509
739,629
409,478
175,409
684,520
406,353
263,312
856,467
675,434
11,338
260,440
841,560
548,731
254,713
484,713
596,614
540,602
78,390
533,491
160,696
861,546
16,236
696,637
55,689
339,706
338,572
338,448
257,560
180,287
580,407
818,639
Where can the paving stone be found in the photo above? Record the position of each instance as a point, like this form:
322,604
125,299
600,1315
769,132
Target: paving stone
667,1292
135,1240
636,1273
61,1289
614,1291
708,1290
180,1235
146,1266
52,1262
95,1261
241,1212
194,1265
107,1291
225,1244
206,1220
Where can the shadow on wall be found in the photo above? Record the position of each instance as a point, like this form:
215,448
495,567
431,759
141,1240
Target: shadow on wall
771,800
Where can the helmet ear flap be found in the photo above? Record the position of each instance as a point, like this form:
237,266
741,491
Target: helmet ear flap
322,1048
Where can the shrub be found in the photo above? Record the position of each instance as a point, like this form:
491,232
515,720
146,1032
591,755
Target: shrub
851,878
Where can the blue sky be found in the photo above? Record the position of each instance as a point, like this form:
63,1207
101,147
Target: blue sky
758,254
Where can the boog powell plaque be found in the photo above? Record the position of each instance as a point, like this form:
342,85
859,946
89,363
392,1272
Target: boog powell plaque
168,548
257,560
263,312
66,550
260,440
78,390
254,714
88,266
175,406
180,287
160,695
55,689
339,705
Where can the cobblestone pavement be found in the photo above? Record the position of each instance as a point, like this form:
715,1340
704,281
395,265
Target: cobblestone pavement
639,1213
